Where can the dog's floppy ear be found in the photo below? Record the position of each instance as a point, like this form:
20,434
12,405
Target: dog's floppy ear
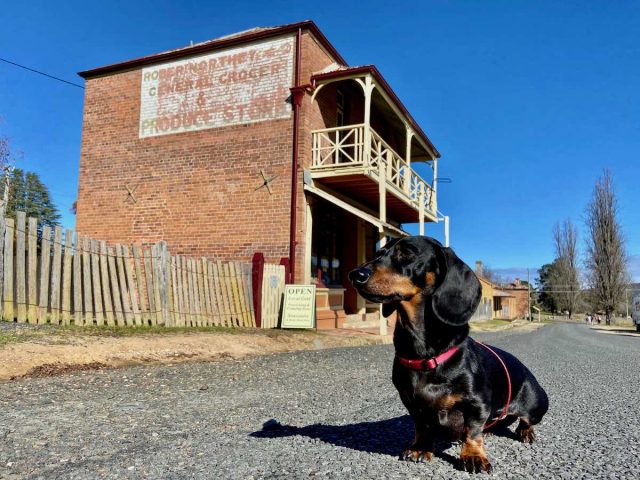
458,296
388,309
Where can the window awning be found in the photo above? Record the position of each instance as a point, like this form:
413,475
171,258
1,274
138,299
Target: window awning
387,228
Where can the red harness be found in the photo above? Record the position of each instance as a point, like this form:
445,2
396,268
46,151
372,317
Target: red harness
506,371
432,363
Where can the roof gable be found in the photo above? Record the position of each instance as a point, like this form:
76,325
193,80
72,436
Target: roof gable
218,43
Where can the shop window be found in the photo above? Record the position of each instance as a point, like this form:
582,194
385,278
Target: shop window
327,246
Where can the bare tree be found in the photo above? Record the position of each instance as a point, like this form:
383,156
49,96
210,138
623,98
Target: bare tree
491,275
6,162
5,150
606,258
564,276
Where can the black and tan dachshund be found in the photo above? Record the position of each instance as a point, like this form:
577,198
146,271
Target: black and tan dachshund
454,387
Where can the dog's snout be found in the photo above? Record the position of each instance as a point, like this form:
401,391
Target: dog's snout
359,276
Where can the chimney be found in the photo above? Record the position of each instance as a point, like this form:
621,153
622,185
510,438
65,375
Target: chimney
479,268
517,282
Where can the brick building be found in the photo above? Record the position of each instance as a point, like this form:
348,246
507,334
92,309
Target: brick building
176,144
507,301
520,291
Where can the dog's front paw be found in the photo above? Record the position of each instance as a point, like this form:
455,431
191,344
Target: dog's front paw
475,463
526,434
473,456
413,455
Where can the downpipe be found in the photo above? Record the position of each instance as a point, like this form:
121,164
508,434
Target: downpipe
297,95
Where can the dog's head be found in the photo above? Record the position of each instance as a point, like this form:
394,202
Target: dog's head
420,269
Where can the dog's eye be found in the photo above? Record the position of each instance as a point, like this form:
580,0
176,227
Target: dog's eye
405,254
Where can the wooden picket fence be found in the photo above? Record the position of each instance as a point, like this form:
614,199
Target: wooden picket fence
273,282
80,280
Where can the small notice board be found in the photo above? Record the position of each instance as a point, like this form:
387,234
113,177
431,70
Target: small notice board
299,310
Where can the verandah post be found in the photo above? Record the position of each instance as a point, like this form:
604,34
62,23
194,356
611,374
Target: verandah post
368,87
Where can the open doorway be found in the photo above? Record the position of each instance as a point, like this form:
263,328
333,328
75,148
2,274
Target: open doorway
340,241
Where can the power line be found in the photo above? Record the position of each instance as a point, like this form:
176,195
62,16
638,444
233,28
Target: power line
41,73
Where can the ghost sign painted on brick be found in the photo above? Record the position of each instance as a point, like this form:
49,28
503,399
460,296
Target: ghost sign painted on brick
234,86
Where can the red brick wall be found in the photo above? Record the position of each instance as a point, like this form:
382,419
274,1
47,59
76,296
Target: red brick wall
521,303
196,190
313,60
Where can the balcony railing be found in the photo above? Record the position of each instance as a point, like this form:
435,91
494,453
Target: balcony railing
356,148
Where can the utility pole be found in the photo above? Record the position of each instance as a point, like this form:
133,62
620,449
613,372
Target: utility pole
446,230
626,300
529,296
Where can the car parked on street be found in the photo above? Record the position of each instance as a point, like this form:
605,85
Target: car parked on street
635,311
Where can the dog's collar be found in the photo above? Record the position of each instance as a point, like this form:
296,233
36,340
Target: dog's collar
428,363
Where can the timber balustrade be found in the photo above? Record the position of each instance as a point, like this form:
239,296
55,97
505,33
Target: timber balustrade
345,151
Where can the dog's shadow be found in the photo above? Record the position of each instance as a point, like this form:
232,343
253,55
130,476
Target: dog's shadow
386,437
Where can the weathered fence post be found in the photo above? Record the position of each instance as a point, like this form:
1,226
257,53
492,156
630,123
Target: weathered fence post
162,272
78,319
45,270
66,277
86,281
8,271
128,270
95,277
109,309
122,281
21,277
137,255
3,228
246,269
257,271
56,276
32,271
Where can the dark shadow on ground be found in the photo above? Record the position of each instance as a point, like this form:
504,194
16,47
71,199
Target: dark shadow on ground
386,437
501,429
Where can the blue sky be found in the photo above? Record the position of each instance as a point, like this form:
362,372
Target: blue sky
527,101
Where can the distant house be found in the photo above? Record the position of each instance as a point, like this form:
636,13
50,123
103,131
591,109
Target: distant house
520,291
496,301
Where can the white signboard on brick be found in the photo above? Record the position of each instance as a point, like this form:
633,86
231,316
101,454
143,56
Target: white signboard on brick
229,87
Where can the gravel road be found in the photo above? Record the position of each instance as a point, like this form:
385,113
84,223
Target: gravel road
328,413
